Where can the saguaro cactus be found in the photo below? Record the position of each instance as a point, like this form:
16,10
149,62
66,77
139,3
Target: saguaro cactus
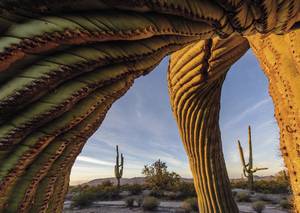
64,63
248,169
119,166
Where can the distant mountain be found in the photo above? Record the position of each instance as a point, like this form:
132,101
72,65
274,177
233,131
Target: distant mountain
141,180
124,181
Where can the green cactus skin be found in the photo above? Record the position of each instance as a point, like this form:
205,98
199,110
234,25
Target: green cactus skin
119,167
248,169
64,63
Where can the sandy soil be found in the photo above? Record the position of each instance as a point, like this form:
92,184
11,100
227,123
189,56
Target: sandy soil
165,207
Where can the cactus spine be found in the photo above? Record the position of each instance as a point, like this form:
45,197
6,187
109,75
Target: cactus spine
248,169
119,166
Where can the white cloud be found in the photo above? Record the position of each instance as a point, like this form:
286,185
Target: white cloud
246,112
86,159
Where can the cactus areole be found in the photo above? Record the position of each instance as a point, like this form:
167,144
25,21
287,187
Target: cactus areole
119,167
64,63
248,169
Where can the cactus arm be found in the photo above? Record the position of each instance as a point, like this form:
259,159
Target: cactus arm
122,165
242,155
258,169
250,148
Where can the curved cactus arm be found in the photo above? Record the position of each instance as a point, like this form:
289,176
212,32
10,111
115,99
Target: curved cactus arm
279,58
30,146
224,16
258,169
195,78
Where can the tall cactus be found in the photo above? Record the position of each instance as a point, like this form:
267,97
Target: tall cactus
64,63
248,169
119,166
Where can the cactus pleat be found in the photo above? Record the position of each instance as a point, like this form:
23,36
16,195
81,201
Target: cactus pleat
195,83
281,64
63,63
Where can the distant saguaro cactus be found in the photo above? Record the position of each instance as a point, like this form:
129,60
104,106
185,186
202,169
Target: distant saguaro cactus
119,166
248,169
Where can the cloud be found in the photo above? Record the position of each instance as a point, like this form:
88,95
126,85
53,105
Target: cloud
86,159
247,111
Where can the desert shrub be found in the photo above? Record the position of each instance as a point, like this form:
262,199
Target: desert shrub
258,206
190,204
106,192
242,184
134,189
83,199
277,185
129,201
271,186
159,178
150,203
107,183
171,195
157,193
186,190
242,197
286,204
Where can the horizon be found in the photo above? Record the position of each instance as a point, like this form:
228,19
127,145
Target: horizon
132,118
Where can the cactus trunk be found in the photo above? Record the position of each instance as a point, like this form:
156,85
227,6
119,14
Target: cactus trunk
279,58
119,167
195,89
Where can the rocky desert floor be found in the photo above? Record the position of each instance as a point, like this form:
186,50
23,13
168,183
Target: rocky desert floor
165,207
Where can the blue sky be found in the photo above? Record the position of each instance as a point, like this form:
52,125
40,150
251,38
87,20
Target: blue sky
142,124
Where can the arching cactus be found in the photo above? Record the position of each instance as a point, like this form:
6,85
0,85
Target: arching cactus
63,63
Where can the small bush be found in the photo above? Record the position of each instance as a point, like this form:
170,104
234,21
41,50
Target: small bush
150,203
243,197
157,193
134,189
83,199
129,201
286,204
190,204
258,206
185,190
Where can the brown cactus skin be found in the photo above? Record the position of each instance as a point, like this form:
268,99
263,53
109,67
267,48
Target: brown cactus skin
279,56
195,77
63,63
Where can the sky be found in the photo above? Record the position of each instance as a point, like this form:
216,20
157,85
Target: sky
142,124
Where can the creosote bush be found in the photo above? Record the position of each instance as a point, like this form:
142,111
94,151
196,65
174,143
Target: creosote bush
129,201
150,203
190,205
242,197
258,206
83,199
134,189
